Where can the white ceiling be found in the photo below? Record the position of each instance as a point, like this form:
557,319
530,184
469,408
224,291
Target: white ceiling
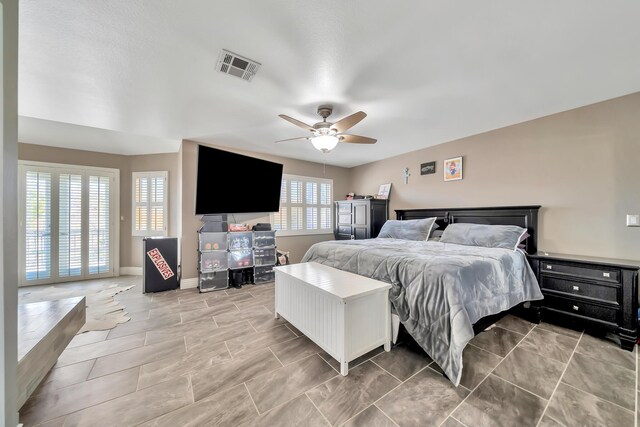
141,73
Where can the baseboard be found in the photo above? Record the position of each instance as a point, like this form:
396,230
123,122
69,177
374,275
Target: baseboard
131,271
189,283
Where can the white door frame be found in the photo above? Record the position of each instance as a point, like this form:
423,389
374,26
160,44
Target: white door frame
114,221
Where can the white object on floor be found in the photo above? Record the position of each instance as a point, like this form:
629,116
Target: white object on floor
347,315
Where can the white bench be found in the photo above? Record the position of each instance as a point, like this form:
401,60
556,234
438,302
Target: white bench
347,315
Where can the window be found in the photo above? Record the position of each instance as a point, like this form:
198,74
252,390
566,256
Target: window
67,228
149,204
305,206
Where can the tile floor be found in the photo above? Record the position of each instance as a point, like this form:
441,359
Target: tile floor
190,359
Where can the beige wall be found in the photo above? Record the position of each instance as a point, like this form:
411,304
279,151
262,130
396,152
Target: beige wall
130,247
296,245
582,166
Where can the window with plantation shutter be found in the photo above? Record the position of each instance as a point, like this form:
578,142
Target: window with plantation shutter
70,225
305,206
149,204
67,222
37,225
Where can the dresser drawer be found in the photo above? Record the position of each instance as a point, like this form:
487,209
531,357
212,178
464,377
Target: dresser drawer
596,273
344,218
581,308
590,290
344,208
344,230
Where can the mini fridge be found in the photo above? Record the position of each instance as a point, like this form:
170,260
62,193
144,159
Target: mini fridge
160,265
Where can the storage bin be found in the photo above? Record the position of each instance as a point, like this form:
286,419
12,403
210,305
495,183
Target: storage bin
264,256
213,281
263,274
264,239
240,240
212,242
214,261
240,259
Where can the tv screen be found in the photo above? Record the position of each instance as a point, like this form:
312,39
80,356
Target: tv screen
233,183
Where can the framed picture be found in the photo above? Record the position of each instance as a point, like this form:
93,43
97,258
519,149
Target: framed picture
453,169
428,168
383,192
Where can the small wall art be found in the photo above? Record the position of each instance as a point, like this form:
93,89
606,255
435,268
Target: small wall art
453,169
428,168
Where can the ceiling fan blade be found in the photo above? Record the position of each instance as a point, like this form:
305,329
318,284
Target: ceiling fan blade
292,139
357,139
349,121
297,122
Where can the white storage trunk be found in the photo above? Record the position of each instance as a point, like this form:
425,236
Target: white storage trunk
346,314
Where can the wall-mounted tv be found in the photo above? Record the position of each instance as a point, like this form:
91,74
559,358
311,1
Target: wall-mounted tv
232,183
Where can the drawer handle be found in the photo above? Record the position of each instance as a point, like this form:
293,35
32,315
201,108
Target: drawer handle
606,274
576,288
549,267
575,308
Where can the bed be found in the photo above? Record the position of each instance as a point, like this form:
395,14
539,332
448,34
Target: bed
440,290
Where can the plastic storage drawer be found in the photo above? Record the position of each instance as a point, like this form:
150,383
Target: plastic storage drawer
264,239
212,242
214,281
240,259
214,261
264,256
240,240
264,274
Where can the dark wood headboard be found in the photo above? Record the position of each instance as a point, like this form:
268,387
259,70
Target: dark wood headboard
523,216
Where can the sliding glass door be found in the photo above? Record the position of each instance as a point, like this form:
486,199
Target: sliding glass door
68,223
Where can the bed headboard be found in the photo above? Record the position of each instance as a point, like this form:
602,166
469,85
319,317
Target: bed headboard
523,216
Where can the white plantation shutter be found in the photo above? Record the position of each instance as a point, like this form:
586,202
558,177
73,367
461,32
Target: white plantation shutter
324,206
149,203
279,219
70,225
37,225
305,206
99,248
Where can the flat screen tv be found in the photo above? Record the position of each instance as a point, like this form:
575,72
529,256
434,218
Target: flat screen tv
232,183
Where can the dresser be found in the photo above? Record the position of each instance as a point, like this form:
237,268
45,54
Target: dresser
595,293
360,218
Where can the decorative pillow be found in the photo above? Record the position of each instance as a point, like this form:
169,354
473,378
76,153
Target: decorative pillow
490,236
412,229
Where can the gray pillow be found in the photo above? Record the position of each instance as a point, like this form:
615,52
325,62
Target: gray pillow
490,236
412,229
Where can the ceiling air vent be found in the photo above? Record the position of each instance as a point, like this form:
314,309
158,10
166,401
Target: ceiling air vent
236,65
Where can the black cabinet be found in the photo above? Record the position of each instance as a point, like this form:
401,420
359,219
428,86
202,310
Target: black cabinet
596,293
360,218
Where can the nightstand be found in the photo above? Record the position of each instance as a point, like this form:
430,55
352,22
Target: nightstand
595,293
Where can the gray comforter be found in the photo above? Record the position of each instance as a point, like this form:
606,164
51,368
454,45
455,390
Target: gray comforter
439,289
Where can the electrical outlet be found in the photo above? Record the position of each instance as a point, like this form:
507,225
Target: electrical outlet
633,220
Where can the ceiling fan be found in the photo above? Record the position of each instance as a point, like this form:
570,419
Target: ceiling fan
326,135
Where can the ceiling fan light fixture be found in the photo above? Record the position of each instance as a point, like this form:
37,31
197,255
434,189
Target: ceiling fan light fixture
325,143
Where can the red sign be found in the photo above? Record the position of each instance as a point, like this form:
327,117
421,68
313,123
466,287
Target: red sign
160,263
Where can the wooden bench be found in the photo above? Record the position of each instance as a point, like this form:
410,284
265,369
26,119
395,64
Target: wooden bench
347,315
